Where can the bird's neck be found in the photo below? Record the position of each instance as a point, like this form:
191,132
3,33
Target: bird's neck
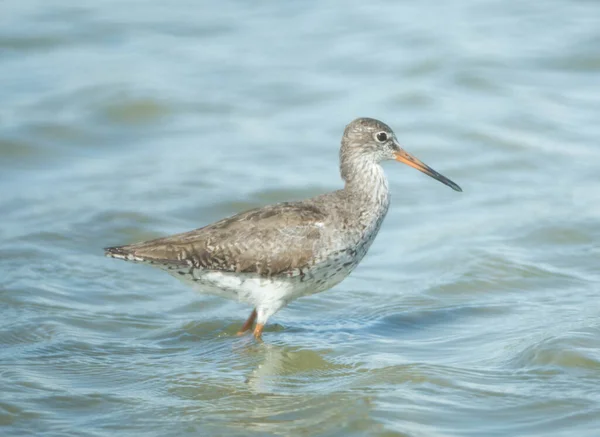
366,190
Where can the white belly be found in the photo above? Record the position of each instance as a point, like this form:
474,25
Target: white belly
258,290
269,294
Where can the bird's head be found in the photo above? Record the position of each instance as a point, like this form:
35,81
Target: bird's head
374,141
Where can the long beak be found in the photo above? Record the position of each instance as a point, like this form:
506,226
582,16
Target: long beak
408,159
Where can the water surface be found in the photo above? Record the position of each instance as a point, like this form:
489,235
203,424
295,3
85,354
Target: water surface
474,313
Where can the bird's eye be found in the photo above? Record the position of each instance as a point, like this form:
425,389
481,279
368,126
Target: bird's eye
382,136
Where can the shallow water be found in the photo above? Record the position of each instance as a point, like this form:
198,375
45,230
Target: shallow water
474,313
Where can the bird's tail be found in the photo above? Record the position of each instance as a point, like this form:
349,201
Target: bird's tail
133,254
122,252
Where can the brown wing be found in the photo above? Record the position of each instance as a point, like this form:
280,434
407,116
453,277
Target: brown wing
267,241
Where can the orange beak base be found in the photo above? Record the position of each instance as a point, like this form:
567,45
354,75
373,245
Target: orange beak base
408,159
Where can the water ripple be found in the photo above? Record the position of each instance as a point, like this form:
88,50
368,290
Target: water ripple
473,314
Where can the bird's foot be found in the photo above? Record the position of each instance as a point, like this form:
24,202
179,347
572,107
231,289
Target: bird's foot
258,331
247,326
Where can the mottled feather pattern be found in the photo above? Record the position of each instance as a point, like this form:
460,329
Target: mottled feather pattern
267,241
272,255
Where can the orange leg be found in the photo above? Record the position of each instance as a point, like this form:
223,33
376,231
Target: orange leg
258,331
248,323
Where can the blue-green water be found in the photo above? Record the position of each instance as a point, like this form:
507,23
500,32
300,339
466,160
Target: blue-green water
474,314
